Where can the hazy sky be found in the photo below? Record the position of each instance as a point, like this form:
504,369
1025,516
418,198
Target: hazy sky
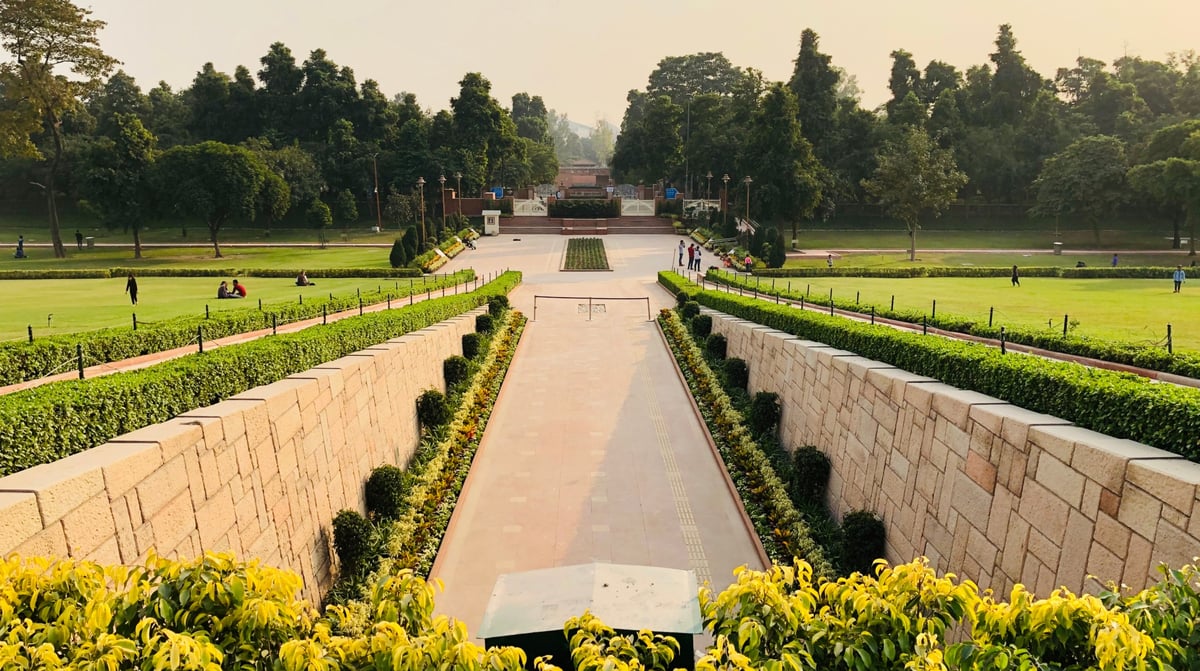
582,57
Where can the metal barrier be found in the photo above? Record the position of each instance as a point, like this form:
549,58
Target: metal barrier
590,299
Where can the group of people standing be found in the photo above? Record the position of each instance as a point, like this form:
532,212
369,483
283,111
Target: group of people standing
692,252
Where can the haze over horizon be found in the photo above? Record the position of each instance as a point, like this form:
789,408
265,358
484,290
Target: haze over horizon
583,60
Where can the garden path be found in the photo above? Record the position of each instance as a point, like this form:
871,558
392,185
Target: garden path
594,451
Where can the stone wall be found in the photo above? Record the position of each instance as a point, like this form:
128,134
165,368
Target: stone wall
261,474
985,489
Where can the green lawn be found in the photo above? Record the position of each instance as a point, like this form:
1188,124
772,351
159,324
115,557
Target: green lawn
1001,260
897,238
193,257
1119,309
87,304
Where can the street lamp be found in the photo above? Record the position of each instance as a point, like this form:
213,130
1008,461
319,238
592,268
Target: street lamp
378,212
747,181
458,194
725,202
442,181
421,186
708,185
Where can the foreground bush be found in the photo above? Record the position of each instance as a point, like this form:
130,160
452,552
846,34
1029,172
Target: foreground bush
32,426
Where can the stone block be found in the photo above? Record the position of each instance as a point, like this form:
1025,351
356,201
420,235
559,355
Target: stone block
1072,563
971,501
1061,479
49,542
1138,562
89,525
1104,565
1112,534
174,523
1172,481
19,519
61,486
1139,511
215,519
955,404
981,471
1045,511
1173,546
173,436
1104,458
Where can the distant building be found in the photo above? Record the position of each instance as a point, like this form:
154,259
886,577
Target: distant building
582,173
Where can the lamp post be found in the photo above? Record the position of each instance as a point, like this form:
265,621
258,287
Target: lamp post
442,181
708,185
747,182
725,202
458,194
421,186
378,212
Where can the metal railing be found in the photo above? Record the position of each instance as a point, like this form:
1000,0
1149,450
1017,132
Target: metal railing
591,300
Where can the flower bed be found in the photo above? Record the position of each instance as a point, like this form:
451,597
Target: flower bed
585,254
778,524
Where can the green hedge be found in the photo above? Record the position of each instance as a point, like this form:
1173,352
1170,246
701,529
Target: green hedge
584,209
21,361
105,273
1120,272
1117,404
48,423
1151,357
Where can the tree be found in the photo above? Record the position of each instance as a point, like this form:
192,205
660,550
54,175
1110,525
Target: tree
56,59
1169,176
529,113
914,175
398,257
1085,180
345,210
116,184
905,79
814,82
319,217
212,181
681,78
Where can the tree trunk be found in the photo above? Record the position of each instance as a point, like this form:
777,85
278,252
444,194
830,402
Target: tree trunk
1191,219
60,252
1176,227
795,232
137,242
1096,230
912,243
212,236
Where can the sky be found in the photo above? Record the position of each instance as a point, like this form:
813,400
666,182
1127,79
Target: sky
584,57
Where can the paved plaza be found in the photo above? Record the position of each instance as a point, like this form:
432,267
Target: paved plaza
594,451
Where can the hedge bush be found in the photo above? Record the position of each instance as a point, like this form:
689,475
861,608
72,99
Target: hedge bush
592,208
1120,272
702,325
49,422
1144,356
1117,404
864,541
765,412
352,541
470,345
106,273
384,492
497,305
810,475
484,323
737,373
689,310
455,369
22,361
715,345
433,410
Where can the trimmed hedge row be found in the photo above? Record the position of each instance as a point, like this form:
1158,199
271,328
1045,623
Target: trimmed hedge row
1120,272
584,209
776,520
1186,364
1117,404
47,423
105,273
21,361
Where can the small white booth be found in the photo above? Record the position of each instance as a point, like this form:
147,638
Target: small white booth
491,222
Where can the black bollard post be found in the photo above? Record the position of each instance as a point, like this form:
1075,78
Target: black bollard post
359,292
1003,349
31,333
802,302
807,289
260,304
856,295
1064,326
274,324
134,321
330,295
324,316
924,326
79,358
360,308
389,301
302,299
206,310
893,308
1170,343
933,315
991,313
200,337
410,297
831,300
872,315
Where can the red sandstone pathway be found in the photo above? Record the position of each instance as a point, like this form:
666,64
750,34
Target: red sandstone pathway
594,451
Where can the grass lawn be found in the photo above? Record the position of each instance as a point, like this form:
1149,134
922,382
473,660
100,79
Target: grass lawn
87,304
897,238
194,257
1000,259
1119,309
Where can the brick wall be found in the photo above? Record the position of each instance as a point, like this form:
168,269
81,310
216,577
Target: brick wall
261,474
985,489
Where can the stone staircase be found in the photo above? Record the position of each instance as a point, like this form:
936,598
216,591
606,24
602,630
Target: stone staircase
549,226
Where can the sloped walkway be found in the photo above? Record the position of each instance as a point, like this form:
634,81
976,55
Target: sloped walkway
594,451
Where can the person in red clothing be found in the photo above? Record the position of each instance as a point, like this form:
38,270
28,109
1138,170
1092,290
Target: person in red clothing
239,289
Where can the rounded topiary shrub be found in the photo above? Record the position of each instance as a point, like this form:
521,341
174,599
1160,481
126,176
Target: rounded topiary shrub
470,345
764,413
690,309
497,305
455,369
432,409
702,325
385,491
715,344
682,298
737,373
810,475
484,323
864,539
352,541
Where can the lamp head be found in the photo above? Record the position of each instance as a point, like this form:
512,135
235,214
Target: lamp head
420,181
725,178
442,180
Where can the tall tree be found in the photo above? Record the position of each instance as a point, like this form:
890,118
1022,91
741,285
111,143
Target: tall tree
1014,84
116,184
529,113
56,60
208,101
662,150
914,175
684,77
120,95
281,81
905,78
814,83
478,120
215,182
788,181
1085,180
169,116
1167,176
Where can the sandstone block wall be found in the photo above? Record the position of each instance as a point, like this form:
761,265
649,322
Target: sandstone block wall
985,489
261,474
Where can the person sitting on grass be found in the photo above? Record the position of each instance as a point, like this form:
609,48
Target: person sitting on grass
224,292
239,289
302,280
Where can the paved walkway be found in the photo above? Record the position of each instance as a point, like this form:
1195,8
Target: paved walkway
594,451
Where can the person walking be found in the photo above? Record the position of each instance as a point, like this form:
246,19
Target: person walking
1016,277
1179,277
20,247
131,288
1114,261
829,261
681,251
78,239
